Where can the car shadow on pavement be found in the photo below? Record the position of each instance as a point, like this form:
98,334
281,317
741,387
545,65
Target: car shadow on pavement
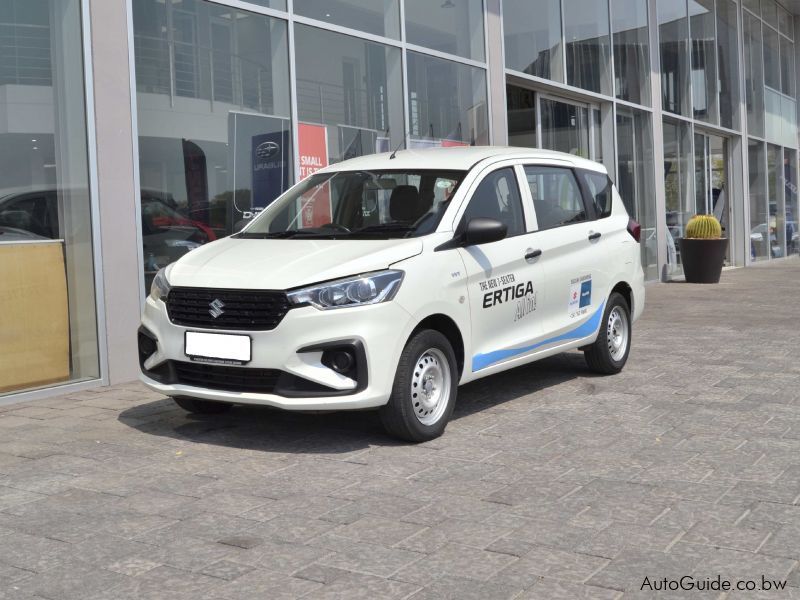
272,430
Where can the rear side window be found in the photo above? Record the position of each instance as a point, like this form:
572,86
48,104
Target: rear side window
556,196
497,197
599,186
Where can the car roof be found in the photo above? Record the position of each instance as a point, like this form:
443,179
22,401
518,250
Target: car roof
455,158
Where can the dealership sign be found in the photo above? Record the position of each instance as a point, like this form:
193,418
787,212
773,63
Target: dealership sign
270,164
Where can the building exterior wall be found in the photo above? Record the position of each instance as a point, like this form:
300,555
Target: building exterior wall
690,105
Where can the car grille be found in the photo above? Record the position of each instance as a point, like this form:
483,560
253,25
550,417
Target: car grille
230,379
255,310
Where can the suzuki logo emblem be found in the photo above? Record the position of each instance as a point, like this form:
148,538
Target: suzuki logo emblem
216,307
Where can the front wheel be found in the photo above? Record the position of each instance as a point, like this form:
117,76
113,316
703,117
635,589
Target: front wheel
202,407
609,353
424,391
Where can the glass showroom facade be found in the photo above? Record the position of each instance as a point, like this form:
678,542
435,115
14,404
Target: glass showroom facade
133,132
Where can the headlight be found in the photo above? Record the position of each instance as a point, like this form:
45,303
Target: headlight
160,286
371,288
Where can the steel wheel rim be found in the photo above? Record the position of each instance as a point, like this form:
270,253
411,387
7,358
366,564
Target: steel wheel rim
617,333
430,386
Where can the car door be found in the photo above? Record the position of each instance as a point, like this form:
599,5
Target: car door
571,253
502,283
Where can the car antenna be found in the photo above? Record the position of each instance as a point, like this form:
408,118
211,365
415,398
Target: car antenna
403,143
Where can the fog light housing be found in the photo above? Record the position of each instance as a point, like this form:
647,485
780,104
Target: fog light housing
341,360
344,357
147,343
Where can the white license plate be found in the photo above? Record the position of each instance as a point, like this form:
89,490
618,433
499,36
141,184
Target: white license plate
217,346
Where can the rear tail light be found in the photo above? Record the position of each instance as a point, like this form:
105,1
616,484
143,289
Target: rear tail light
634,229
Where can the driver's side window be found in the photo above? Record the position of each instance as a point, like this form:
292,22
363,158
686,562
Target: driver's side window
497,197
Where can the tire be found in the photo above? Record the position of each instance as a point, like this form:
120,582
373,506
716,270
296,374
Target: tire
609,353
427,363
202,407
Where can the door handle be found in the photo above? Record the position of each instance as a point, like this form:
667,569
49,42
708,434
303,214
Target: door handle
595,235
531,254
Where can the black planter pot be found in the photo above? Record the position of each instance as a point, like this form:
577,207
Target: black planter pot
702,259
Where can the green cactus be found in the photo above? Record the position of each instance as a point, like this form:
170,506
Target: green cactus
704,227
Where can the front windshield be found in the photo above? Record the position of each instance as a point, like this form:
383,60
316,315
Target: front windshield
359,204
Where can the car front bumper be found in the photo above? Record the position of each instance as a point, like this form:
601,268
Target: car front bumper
294,350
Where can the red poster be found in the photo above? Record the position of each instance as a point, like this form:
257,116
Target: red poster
313,147
451,143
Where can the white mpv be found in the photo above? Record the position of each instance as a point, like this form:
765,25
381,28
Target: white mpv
386,281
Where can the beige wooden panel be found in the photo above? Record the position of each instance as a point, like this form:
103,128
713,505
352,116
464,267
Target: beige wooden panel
34,322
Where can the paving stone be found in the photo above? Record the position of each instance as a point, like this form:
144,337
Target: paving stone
227,570
549,589
72,580
609,542
361,557
736,564
458,561
320,573
357,586
156,502
104,550
378,530
56,525
280,557
192,554
228,503
470,533
31,552
292,529
549,482
261,583
627,571
163,583
132,566
11,575
734,537
454,588
548,562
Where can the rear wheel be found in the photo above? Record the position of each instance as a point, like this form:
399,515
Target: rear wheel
424,391
609,353
202,407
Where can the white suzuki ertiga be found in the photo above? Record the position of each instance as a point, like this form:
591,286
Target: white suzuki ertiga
387,281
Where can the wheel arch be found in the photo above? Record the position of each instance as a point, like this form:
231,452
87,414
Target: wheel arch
626,291
448,328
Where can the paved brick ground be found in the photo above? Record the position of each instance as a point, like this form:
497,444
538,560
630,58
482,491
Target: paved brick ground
549,483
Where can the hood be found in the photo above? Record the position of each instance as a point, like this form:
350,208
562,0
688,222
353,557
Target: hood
282,264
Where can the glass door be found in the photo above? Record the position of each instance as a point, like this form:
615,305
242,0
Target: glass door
791,205
565,127
711,179
536,120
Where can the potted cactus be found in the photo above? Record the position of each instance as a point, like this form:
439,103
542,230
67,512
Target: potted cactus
703,250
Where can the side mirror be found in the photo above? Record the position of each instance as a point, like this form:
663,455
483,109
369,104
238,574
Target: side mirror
483,231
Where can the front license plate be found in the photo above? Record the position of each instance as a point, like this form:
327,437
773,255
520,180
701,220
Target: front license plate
217,347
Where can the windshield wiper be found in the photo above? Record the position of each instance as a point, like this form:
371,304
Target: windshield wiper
264,235
290,233
385,227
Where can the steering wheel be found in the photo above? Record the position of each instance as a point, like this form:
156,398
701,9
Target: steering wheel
335,226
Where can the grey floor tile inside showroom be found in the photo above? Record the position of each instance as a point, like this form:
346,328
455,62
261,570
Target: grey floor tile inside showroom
549,482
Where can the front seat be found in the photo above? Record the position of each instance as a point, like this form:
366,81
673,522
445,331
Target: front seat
406,204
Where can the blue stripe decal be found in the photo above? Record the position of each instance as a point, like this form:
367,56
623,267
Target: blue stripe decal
481,361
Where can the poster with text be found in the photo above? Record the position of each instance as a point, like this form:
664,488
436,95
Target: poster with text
313,147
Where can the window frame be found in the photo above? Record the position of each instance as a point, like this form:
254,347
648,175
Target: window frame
588,197
588,207
514,167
